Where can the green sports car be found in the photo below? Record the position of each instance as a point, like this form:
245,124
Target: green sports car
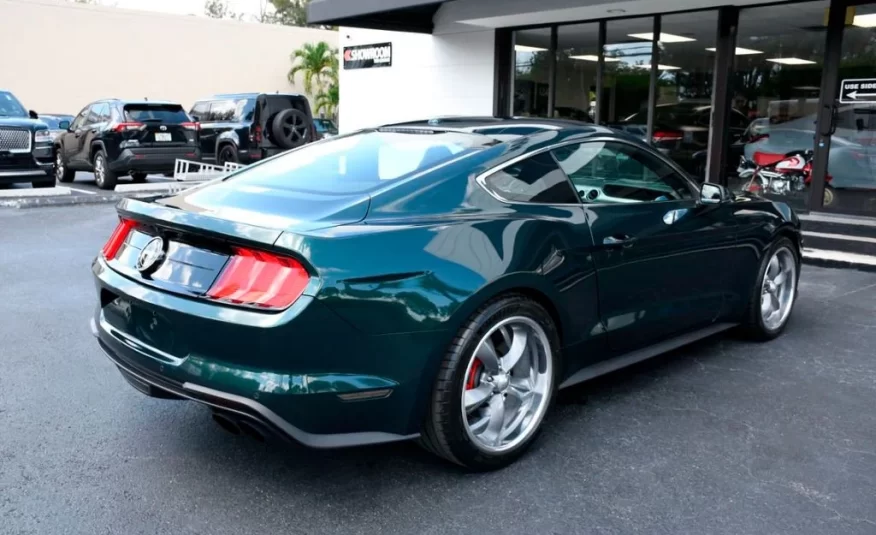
438,281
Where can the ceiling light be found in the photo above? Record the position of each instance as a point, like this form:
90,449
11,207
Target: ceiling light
522,48
664,37
661,67
740,51
591,57
792,61
865,21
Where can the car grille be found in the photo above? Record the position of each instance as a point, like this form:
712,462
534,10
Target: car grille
15,140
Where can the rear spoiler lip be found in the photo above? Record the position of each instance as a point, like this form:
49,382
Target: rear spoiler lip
196,223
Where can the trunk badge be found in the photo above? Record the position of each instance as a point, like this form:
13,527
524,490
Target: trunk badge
151,256
162,128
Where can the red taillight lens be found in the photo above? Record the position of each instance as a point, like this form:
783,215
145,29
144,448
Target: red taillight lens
256,135
260,279
661,135
191,126
116,239
124,127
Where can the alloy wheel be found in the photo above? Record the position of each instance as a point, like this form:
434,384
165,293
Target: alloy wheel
59,167
778,289
99,170
508,384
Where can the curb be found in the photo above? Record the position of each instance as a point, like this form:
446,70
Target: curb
70,200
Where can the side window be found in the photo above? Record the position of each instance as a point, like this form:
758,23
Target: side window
614,172
79,121
201,110
103,113
537,179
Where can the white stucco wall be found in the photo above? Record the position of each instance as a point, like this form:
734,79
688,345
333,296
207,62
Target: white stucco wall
58,56
431,75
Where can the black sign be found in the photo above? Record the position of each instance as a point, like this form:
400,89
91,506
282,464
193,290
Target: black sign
862,90
367,56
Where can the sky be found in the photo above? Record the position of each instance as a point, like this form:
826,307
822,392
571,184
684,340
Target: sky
184,7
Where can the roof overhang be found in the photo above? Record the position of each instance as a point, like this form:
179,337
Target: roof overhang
394,15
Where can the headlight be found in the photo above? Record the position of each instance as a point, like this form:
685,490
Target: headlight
42,136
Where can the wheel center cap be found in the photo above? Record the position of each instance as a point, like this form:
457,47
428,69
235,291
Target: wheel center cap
772,287
500,382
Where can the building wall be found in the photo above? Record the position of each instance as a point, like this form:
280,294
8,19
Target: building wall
449,73
67,55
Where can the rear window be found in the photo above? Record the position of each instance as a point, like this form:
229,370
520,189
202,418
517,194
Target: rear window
165,113
359,162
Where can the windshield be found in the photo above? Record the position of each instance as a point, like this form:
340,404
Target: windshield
359,162
165,113
10,106
54,121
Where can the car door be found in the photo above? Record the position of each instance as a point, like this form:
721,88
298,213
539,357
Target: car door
70,140
660,255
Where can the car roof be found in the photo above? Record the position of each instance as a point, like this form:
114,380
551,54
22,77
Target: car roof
247,95
139,101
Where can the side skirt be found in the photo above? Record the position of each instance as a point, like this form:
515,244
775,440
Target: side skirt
645,353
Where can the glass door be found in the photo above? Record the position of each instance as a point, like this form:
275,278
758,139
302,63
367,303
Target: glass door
850,182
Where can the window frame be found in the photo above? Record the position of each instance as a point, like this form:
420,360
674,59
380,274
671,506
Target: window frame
481,178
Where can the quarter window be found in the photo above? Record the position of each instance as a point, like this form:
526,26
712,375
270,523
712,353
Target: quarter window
613,172
537,179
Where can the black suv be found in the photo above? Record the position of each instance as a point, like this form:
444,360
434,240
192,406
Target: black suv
116,137
247,127
25,145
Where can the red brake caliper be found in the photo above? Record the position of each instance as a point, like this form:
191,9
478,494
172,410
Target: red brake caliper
473,375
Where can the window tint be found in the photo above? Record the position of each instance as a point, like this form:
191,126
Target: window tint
201,110
97,113
537,179
358,163
228,110
164,113
79,121
613,172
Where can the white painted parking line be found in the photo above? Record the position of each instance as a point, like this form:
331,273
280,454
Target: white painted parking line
83,191
160,186
34,192
839,256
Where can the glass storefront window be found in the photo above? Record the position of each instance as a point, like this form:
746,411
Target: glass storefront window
776,86
684,90
531,72
852,156
577,57
627,75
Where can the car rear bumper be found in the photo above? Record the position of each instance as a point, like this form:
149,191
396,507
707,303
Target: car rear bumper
152,160
303,394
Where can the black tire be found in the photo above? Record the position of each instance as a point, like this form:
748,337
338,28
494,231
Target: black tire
104,177
61,172
227,153
291,128
753,324
444,432
138,177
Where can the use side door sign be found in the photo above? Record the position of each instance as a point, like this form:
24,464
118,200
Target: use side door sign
368,56
858,90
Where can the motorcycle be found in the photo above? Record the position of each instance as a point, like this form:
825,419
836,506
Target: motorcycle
782,174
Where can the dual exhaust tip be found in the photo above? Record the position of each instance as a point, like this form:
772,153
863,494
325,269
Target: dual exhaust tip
238,427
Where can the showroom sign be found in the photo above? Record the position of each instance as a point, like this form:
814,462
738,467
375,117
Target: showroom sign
860,90
367,56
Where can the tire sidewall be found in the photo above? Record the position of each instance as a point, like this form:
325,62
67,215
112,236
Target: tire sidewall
459,441
757,319
229,150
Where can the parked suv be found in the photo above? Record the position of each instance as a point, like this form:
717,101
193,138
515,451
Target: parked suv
25,145
115,137
247,127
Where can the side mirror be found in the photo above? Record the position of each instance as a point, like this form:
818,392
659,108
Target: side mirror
64,125
713,194
33,114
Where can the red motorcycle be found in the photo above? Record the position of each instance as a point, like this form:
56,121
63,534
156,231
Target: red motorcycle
782,174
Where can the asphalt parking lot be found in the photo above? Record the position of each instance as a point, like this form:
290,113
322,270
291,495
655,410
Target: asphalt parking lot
723,437
84,183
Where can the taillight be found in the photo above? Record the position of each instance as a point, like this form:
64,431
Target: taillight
256,135
117,238
260,279
124,127
662,135
191,126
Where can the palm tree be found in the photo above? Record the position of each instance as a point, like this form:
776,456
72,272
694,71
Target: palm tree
329,96
314,61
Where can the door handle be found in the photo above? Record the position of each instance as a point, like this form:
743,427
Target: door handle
619,240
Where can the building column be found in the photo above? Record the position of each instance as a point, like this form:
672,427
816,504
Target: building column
722,92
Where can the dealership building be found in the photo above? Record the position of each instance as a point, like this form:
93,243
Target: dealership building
707,80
